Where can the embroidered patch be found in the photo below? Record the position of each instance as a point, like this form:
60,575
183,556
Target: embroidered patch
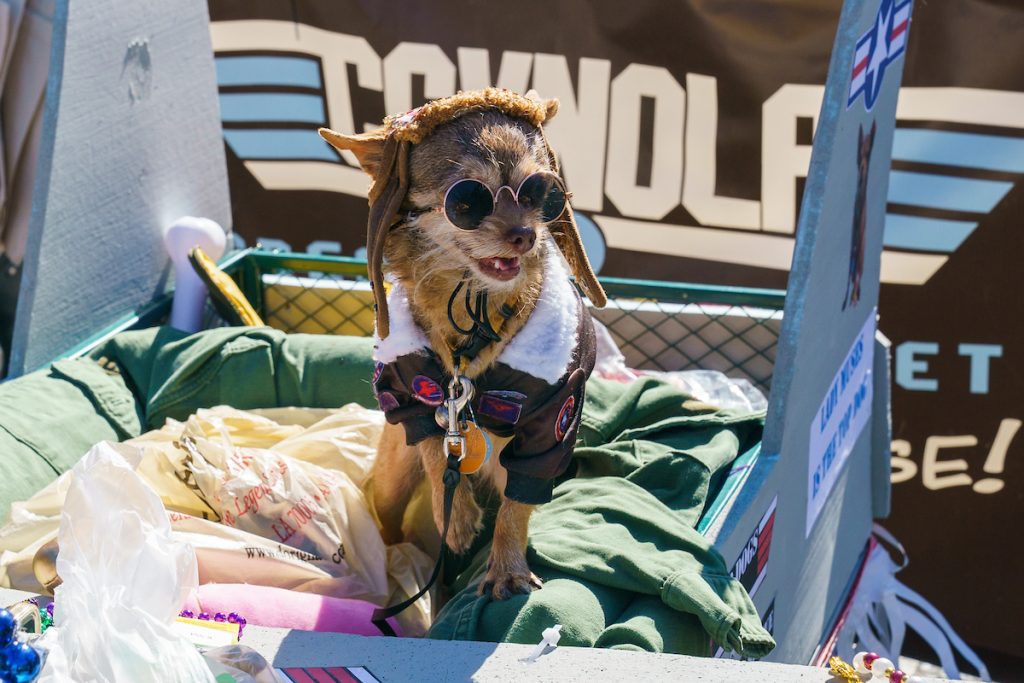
387,401
564,418
495,404
427,391
506,393
379,368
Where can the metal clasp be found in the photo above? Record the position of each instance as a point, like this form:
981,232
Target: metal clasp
449,415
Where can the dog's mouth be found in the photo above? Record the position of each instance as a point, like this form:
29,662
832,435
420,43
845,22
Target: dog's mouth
499,268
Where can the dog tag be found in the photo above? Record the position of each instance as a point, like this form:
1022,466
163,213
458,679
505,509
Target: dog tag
477,449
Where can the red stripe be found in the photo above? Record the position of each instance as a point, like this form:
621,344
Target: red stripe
863,64
342,674
899,29
299,675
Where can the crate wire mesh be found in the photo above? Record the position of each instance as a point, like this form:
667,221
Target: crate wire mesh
657,325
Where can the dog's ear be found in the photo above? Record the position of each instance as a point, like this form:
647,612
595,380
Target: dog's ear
368,147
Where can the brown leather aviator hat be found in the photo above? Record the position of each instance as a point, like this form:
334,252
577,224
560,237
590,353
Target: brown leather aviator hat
393,143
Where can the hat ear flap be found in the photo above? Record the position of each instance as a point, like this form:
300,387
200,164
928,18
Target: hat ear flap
390,185
567,237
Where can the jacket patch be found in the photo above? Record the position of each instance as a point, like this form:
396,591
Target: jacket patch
564,419
495,404
387,401
427,391
379,368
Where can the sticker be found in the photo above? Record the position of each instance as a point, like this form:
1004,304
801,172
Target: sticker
377,369
564,419
427,391
387,401
859,231
880,46
750,567
843,413
330,674
492,404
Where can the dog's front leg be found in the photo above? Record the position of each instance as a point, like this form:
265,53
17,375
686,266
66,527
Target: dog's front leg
507,571
465,520
396,473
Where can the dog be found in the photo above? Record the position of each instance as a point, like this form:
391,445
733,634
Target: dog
865,143
470,215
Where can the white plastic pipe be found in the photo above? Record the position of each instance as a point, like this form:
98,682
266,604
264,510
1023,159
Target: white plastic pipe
189,291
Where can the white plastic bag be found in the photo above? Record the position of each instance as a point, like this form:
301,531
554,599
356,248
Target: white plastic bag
124,580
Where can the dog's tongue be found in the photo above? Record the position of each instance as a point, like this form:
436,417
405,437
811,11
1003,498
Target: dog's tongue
501,264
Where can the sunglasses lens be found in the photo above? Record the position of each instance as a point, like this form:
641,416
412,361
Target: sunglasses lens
542,192
468,203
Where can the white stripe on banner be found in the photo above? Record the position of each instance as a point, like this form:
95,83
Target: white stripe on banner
901,15
898,42
858,82
862,53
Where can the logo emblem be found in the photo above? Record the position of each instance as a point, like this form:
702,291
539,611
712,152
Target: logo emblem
427,391
876,49
377,369
564,419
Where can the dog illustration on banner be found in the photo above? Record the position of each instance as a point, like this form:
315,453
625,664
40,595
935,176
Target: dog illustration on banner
865,143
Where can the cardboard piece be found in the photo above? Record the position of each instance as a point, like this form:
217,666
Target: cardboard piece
131,141
825,453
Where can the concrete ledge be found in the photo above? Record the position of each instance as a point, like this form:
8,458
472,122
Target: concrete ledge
395,660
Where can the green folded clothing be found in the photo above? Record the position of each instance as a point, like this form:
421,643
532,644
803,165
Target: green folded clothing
622,563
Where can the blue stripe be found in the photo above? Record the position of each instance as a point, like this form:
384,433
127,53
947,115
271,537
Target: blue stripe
970,150
263,70
944,192
279,144
272,106
925,234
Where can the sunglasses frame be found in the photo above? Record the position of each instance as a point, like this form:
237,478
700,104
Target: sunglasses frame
494,196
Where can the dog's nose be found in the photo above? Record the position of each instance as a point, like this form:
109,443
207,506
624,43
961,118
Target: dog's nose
522,239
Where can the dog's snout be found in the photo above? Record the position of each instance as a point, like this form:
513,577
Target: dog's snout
522,238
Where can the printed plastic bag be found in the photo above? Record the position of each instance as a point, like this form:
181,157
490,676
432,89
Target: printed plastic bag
308,512
124,580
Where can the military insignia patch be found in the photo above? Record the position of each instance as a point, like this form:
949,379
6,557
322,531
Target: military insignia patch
565,417
500,407
427,391
387,401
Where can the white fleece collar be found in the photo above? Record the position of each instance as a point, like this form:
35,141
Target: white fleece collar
543,347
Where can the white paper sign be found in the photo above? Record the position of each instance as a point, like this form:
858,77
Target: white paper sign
843,413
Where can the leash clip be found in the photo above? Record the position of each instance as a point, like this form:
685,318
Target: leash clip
460,393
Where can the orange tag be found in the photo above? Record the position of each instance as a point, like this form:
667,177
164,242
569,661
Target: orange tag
478,449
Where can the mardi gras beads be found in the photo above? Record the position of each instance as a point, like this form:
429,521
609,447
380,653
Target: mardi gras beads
19,662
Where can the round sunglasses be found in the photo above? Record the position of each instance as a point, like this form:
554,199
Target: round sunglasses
468,202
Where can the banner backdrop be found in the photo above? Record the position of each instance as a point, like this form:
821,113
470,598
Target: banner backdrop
685,132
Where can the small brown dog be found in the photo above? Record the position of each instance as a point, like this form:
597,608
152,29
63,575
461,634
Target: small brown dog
470,215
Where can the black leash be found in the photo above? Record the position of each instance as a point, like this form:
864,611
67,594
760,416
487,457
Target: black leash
380,616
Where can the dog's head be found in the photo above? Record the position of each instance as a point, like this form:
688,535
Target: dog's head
468,184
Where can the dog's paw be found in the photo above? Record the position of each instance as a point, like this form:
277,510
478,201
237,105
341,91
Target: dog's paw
465,524
504,583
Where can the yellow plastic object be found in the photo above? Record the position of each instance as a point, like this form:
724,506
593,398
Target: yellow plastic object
227,298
